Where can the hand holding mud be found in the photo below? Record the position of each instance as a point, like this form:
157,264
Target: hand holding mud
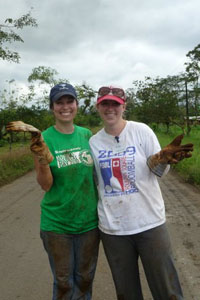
172,153
38,146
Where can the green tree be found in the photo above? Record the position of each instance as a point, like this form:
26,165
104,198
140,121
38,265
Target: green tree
42,79
131,105
193,74
85,95
45,75
8,34
87,114
8,104
157,100
144,93
193,65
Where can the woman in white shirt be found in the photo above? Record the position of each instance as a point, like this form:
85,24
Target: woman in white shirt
128,159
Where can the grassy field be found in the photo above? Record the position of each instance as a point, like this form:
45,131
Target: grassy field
18,161
14,163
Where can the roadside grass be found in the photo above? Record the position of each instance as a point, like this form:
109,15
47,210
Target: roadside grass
14,163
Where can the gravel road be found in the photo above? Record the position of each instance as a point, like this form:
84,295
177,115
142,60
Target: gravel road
24,269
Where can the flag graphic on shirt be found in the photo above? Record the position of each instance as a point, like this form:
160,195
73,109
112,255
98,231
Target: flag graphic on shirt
118,175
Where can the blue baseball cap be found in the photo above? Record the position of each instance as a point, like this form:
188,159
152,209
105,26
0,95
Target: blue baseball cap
60,90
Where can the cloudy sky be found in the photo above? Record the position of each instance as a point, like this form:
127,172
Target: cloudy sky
103,41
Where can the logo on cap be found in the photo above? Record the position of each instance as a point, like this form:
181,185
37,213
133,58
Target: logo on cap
62,89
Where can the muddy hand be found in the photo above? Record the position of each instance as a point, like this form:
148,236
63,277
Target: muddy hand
20,126
40,149
38,146
174,152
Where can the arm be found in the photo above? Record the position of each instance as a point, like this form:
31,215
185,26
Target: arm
44,175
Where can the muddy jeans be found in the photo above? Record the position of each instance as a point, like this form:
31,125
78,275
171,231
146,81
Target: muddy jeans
154,249
73,259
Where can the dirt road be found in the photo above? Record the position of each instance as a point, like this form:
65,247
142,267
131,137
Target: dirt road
24,269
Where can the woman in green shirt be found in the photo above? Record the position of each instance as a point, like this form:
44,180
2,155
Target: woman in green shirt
69,207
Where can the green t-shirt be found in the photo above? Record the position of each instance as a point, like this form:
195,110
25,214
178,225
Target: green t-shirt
70,206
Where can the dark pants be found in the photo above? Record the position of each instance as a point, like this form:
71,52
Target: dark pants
73,259
154,249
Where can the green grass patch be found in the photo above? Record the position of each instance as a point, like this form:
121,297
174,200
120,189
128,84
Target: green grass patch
15,146
15,163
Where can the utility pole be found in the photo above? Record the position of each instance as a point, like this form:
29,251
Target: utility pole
187,108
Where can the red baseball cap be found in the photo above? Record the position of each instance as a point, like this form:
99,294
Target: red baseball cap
111,93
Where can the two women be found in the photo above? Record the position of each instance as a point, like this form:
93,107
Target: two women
131,209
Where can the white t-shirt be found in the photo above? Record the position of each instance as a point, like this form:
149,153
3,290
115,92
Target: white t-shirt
130,200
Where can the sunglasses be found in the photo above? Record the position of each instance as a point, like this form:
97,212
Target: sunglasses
105,90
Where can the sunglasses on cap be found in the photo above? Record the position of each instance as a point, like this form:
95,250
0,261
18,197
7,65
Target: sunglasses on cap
105,90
